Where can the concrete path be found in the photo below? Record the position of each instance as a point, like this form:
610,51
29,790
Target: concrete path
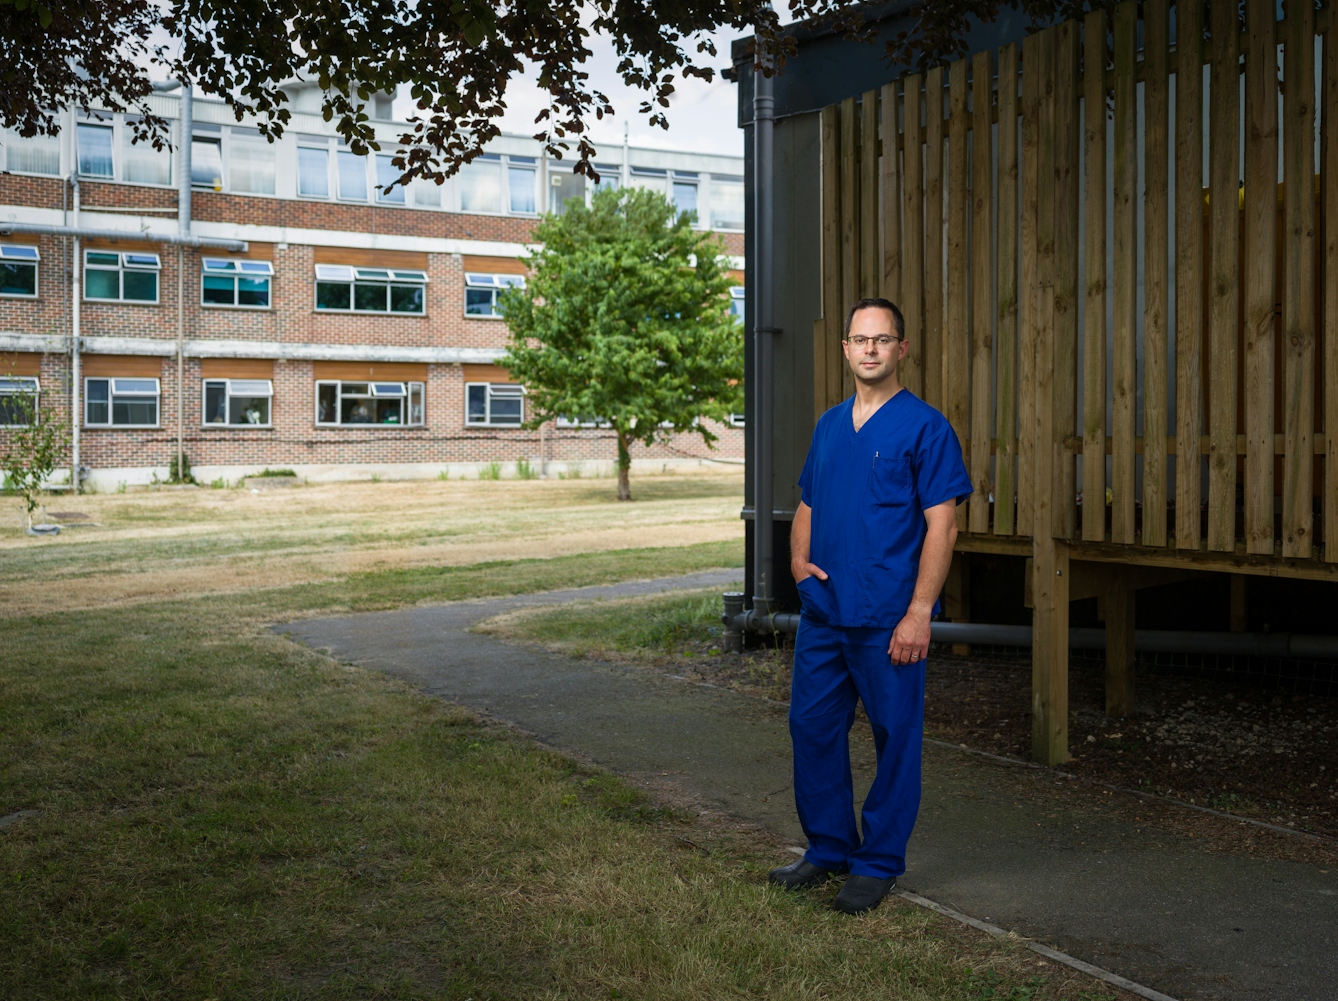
995,841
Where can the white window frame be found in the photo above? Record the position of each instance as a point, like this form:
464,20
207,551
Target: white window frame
22,254
305,142
507,389
720,180
493,282
351,275
738,294
109,124
222,267
408,391
246,388
21,385
687,177
571,423
127,260
126,392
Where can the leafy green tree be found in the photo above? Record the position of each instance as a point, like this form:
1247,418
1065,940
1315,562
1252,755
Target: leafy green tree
625,319
455,58
32,449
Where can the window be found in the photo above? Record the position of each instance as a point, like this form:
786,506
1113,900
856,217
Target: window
495,404
121,403
610,177
206,161
654,180
18,270
127,276
563,186
95,149
481,292
520,176
685,192
426,193
18,400
369,290
384,403
481,184
736,303
313,172
738,420
352,170
238,402
37,154
726,203
582,422
140,162
229,282
387,174
250,162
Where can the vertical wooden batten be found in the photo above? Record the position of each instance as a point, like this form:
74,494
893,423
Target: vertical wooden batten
1330,278
1006,308
913,245
1298,293
1094,287
1065,236
1224,180
933,246
1156,318
1028,287
1261,173
982,289
1188,273
1124,361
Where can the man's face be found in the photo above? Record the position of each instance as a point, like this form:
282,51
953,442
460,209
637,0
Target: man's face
870,363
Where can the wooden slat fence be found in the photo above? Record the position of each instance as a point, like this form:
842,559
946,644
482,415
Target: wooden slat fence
1080,292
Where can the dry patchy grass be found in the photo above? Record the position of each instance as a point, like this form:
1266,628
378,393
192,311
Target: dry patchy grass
171,543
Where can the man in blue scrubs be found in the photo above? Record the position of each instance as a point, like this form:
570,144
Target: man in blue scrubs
871,545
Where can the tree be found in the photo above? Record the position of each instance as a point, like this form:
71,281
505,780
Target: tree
625,319
33,449
456,57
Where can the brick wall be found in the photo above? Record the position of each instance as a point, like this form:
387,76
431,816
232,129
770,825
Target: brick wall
294,439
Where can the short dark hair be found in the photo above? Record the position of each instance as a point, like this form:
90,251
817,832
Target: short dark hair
877,302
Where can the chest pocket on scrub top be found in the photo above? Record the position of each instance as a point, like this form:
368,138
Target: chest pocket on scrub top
891,483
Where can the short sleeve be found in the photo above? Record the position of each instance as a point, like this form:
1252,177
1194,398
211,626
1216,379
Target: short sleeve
940,473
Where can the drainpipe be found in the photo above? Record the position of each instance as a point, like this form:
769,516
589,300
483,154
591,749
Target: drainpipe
764,334
186,127
76,384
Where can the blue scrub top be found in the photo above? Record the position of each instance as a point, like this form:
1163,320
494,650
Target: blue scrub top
869,491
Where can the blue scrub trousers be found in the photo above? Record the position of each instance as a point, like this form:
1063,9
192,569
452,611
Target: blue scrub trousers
834,666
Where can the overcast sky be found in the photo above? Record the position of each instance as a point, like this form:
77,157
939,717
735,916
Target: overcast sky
702,117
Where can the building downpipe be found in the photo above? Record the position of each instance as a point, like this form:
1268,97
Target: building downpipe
76,387
764,334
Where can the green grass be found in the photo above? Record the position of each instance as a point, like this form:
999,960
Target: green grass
225,814
661,625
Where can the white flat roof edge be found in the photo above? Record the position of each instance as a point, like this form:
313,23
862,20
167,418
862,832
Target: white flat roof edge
277,350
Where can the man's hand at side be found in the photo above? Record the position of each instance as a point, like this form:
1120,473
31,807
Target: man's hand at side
910,640
800,531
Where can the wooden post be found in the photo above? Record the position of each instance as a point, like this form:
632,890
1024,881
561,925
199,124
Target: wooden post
1050,649
1119,609
1005,386
1240,618
1094,315
1188,274
1261,214
957,596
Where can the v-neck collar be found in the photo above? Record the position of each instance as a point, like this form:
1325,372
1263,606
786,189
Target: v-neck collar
850,417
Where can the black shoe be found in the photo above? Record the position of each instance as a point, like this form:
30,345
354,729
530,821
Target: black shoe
798,875
863,893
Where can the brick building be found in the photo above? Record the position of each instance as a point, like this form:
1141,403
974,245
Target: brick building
310,321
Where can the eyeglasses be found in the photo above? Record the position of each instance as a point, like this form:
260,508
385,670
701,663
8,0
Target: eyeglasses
881,341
